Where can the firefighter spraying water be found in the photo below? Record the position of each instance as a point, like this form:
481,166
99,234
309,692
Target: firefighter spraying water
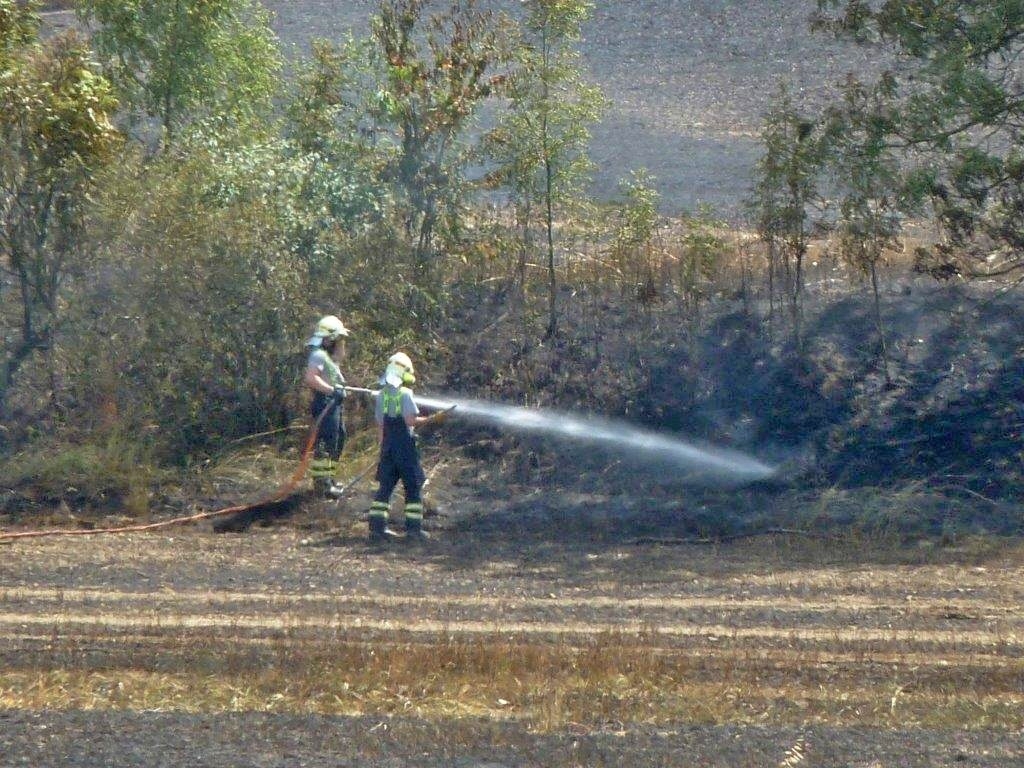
700,464
397,413
324,378
397,416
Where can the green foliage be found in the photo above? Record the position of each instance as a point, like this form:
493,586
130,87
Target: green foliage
551,107
540,144
633,246
174,60
640,213
200,314
956,110
19,28
702,252
333,162
436,73
867,175
55,130
111,470
786,194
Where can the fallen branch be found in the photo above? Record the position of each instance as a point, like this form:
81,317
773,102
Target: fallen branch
731,537
963,489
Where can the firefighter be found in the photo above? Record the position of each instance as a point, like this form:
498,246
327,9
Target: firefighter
397,417
323,376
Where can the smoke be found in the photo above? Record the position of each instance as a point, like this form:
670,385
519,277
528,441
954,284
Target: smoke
687,460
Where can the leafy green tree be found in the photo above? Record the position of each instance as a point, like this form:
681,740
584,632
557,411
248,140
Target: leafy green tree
19,27
200,305
55,132
634,247
956,110
437,73
786,195
541,144
333,160
867,173
174,60
701,250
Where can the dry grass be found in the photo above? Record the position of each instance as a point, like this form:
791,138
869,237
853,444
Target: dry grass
547,686
624,640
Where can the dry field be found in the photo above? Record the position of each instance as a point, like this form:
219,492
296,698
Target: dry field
687,82
284,647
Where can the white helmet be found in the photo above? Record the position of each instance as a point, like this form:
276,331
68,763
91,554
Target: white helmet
399,371
328,328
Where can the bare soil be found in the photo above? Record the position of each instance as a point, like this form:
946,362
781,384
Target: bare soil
687,83
861,660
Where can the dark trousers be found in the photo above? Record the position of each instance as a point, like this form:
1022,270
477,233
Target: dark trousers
330,437
399,460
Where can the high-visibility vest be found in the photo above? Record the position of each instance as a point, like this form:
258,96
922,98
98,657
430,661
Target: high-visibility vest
391,401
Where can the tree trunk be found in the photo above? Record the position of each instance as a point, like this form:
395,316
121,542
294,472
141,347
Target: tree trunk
550,225
883,347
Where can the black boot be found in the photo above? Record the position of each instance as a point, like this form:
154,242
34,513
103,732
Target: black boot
414,527
379,531
325,488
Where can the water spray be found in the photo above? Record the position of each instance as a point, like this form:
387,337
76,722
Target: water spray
699,463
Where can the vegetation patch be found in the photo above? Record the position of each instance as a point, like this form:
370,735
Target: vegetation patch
546,687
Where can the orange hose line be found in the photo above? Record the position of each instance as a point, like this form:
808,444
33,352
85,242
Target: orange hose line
279,494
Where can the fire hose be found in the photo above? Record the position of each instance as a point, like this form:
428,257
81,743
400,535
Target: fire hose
277,495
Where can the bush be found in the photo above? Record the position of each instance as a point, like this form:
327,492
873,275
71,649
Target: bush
101,475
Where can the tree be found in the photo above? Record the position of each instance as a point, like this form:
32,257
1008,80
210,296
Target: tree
956,112
633,246
701,251
541,143
785,194
866,174
427,99
333,156
173,60
19,27
55,132
198,301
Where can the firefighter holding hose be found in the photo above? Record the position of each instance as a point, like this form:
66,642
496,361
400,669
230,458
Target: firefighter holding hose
397,417
323,376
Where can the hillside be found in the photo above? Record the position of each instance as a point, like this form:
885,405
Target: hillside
687,83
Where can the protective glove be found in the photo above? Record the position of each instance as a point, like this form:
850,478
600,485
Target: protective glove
441,416
339,394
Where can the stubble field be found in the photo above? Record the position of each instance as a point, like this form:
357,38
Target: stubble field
688,82
284,647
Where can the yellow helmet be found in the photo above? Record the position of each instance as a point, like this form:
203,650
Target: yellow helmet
399,371
329,328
